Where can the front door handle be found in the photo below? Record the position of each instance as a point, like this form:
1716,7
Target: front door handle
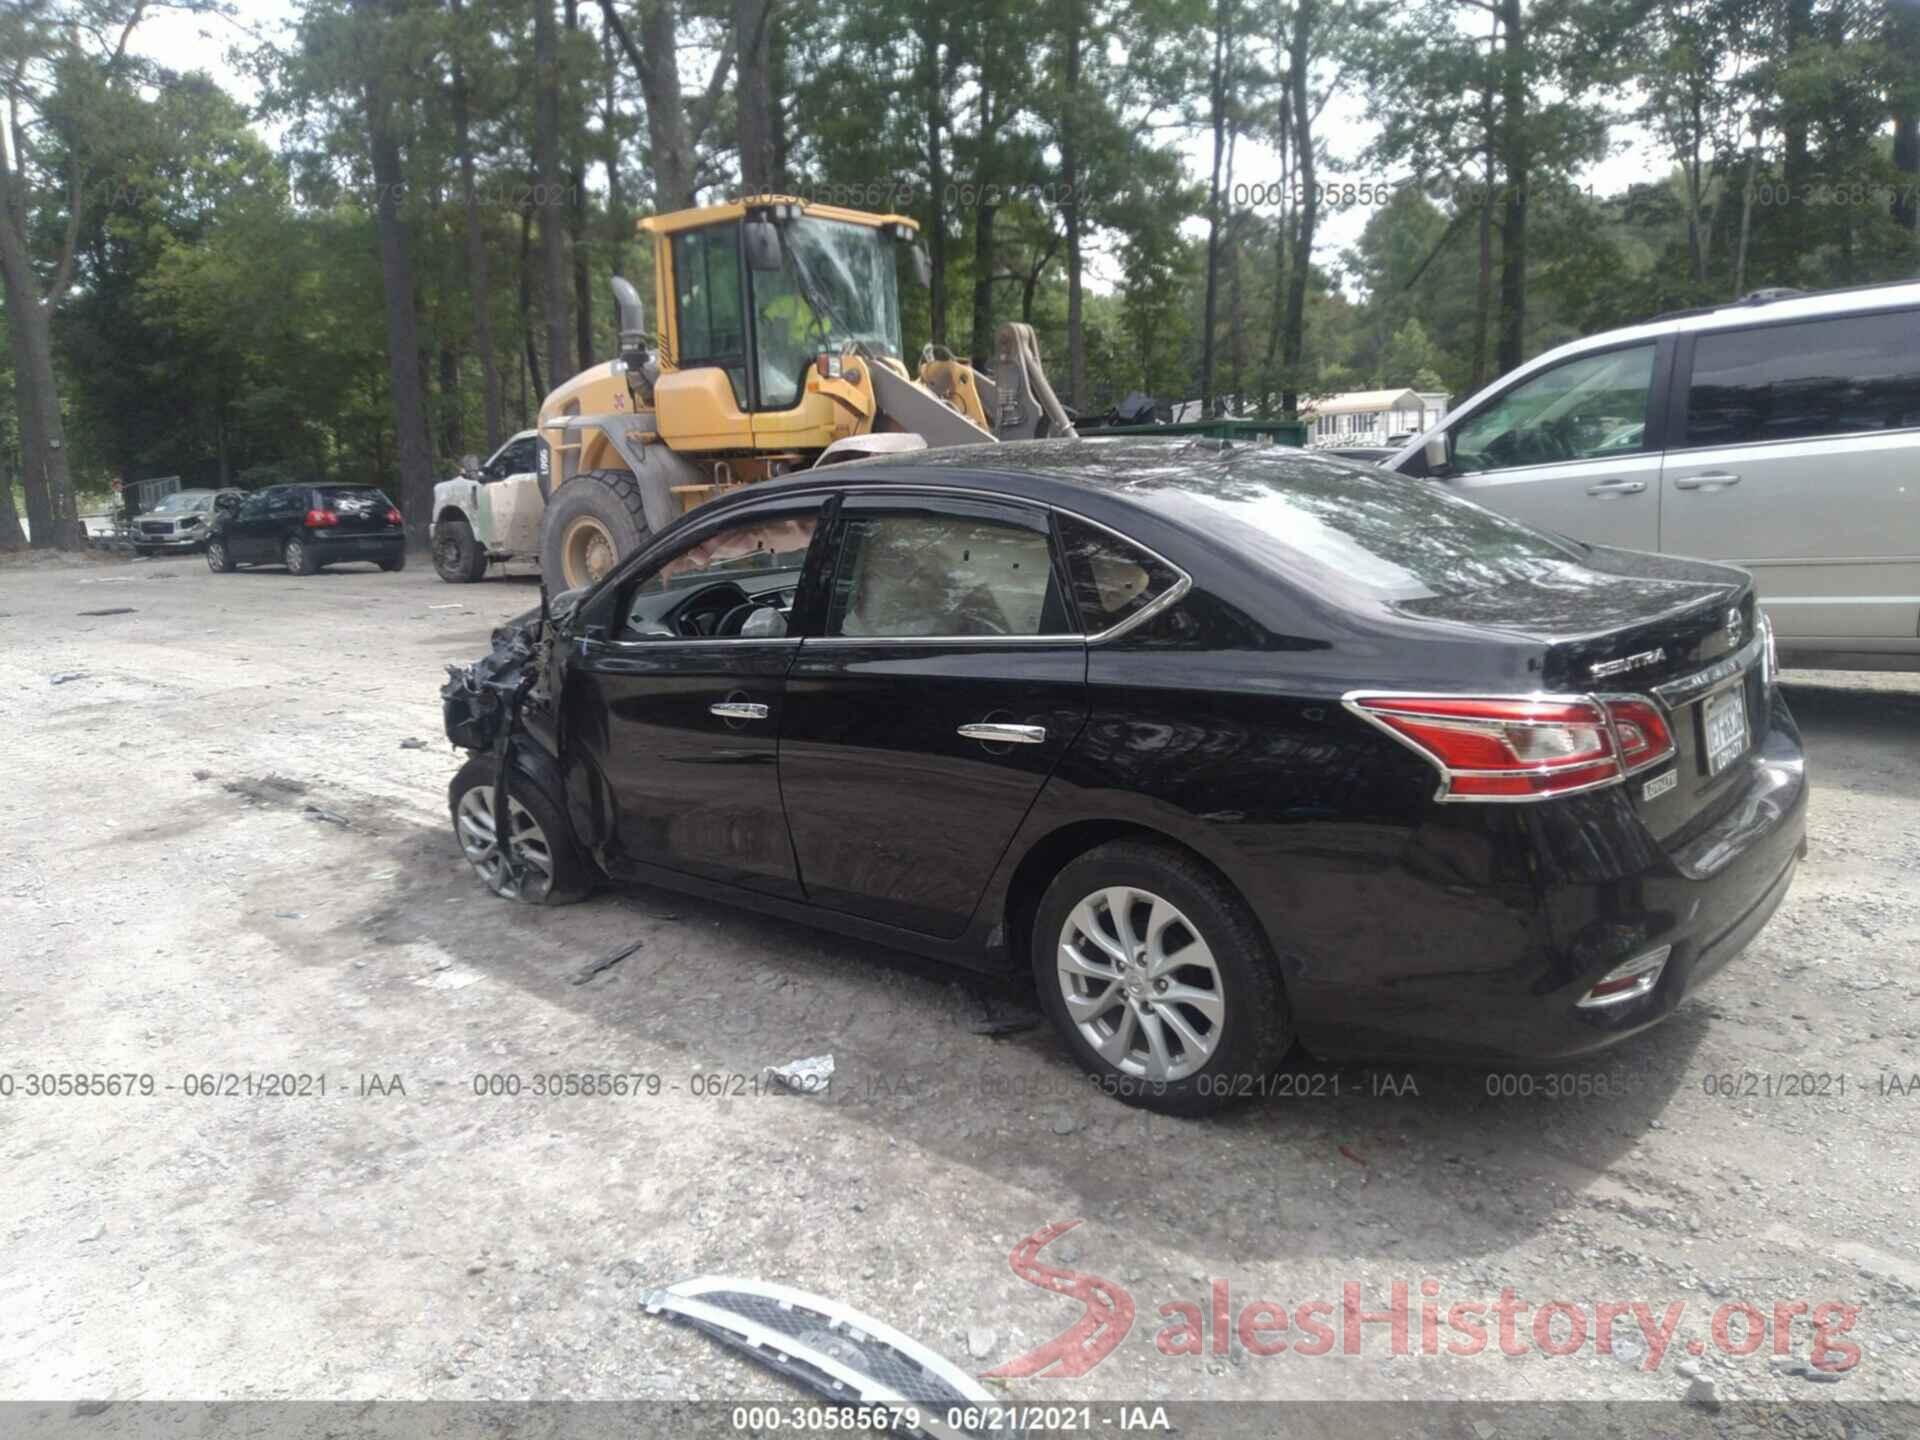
1005,734
737,710
1707,480
1604,488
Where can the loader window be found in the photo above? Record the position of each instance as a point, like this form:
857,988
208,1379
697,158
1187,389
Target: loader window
713,316
850,269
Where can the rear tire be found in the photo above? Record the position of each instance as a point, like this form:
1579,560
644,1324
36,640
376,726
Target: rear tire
1182,982
458,558
299,557
593,522
542,838
399,562
218,560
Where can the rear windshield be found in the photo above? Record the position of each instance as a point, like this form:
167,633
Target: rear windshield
1402,538
352,499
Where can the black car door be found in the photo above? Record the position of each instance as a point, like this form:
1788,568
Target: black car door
921,723
247,531
678,702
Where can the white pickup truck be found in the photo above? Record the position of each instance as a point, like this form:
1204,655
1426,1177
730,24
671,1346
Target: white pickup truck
491,512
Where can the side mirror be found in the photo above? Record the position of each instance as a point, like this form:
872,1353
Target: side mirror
761,240
922,267
1438,452
470,466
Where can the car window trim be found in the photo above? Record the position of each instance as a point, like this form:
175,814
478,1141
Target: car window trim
1682,386
833,497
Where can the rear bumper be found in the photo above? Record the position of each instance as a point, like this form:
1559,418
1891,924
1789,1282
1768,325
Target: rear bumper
332,548
1606,894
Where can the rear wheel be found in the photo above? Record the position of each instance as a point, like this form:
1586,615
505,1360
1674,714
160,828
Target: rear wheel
458,557
300,557
592,522
398,562
218,560
551,870
1159,979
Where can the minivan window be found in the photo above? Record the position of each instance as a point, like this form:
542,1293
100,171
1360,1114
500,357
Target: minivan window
1814,377
1591,407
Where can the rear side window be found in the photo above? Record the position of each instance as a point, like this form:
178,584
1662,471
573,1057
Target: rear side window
1113,579
1816,377
351,499
943,575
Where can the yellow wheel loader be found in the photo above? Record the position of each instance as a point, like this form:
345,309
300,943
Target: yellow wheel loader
778,348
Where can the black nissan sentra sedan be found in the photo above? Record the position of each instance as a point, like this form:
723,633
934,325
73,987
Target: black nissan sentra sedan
1232,747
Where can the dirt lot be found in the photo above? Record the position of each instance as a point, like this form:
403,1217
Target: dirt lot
220,858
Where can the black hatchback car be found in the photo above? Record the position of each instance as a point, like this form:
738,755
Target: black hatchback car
1228,747
304,527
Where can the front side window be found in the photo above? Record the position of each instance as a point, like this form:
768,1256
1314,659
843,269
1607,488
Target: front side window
911,575
712,315
1113,580
738,581
1817,377
1592,407
519,457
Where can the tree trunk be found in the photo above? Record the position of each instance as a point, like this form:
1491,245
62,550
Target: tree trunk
1293,337
43,449
476,240
669,135
453,428
1793,124
1483,285
981,341
1746,229
936,111
1516,158
415,457
752,30
547,195
1904,42
577,242
616,196
1070,185
10,531
1222,45
530,346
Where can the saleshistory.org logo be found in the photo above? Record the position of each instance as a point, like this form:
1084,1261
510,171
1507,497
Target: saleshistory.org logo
1217,1323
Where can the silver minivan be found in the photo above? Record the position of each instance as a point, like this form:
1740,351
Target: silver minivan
1781,433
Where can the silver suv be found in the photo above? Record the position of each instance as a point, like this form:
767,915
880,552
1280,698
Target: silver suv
1781,433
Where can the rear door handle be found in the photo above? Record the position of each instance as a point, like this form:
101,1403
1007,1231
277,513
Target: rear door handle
1006,734
737,710
1604,488
1707,480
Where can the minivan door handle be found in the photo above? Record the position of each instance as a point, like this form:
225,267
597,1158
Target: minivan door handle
1606,488
1707,480
1005,734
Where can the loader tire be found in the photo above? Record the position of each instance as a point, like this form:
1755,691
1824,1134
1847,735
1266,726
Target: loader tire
457,556
593,522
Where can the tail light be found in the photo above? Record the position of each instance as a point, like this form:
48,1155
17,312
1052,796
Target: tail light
1521,747
318,518
394,517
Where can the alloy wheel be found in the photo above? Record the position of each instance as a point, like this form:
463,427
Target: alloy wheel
1140,984
480,842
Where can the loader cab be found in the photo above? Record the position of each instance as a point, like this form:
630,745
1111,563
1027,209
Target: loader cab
761,291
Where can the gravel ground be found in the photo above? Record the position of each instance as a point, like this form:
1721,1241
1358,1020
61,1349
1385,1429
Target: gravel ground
220,856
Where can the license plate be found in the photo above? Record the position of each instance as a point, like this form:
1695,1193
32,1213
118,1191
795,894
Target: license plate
1726,723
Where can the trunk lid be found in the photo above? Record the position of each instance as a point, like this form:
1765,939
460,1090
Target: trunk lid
361,509
1683,633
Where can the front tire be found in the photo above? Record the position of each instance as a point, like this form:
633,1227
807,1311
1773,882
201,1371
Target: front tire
592,522
458,558
218,560
300,557
553,871
1159,979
